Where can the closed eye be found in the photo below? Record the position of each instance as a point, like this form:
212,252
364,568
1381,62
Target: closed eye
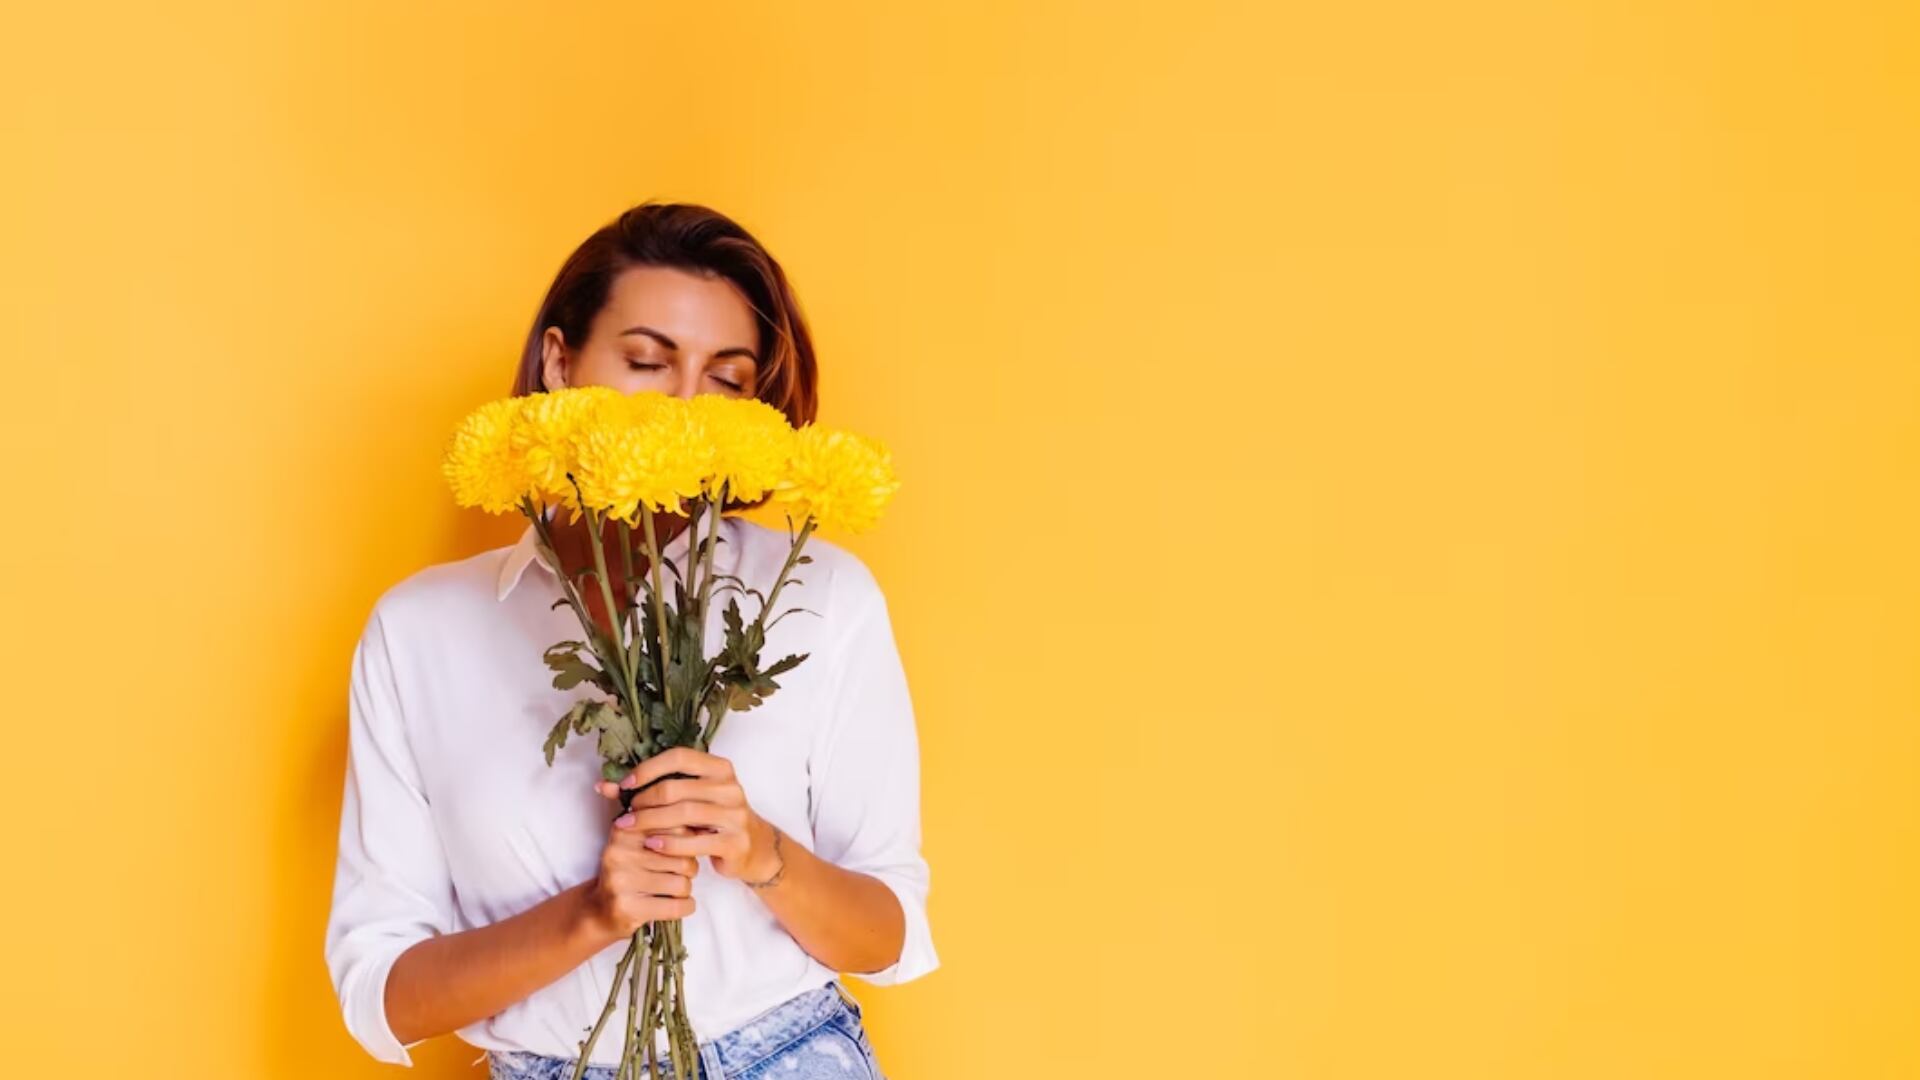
643,365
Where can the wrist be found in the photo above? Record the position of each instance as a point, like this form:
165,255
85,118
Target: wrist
586,922
769,859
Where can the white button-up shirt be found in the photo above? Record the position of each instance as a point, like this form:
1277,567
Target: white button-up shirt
452,819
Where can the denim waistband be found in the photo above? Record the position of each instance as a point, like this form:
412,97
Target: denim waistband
772,1031
722,1056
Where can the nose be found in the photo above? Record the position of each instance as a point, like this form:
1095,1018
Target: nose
689,382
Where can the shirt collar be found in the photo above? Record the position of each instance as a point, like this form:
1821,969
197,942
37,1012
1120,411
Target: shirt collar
526,552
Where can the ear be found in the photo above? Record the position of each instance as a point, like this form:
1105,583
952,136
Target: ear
554,361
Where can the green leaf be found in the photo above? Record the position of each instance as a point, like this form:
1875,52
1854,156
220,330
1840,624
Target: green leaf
617,741
686,676
787,663
570,671
617,738
641,661
732,617
677,730
789,611
557,738
741,698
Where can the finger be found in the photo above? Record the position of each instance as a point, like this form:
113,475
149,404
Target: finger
673,907
612,790
644,907
624,825
661,862
719,792
628,838
662,818
658,883
694,844
631,852
683,759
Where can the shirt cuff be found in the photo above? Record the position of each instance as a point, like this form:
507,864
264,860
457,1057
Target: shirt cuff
917,956
366,1007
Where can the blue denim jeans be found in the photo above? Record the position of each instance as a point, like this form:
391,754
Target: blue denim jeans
816,1035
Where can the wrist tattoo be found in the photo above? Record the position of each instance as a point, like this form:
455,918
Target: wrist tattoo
777,873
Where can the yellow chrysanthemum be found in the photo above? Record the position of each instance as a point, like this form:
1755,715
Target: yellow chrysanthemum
480,462
751,444
546,432
645,449
840,479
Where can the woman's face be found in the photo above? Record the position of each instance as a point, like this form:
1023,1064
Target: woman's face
662,329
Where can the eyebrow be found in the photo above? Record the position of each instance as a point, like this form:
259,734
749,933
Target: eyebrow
648,331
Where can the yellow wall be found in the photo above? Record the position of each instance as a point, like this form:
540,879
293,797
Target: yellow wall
1407,564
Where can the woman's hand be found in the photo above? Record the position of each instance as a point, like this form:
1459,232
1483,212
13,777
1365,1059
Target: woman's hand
637,886
703,813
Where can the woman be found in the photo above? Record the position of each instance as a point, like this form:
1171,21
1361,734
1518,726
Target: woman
482,892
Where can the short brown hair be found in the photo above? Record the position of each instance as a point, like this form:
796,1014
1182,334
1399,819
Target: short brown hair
701,241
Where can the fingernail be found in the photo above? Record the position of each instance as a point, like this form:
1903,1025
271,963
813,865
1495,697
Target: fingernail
655,843
623,820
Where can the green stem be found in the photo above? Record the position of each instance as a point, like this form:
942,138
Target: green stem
799,542
572,595
586,1048
659,605
630,1060
626,549
709,553
686,1052
615,621
655,1000
690,582
713,725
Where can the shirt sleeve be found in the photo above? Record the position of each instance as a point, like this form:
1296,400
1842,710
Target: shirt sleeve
865,769
391,885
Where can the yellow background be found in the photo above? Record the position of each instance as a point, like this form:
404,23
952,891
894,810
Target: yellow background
1407,560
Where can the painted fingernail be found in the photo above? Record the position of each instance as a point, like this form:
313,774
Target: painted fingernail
655,843
623,820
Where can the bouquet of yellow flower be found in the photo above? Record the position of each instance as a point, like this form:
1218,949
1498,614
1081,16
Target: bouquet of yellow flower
626,458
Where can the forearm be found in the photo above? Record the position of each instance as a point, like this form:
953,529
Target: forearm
448,981
847,920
